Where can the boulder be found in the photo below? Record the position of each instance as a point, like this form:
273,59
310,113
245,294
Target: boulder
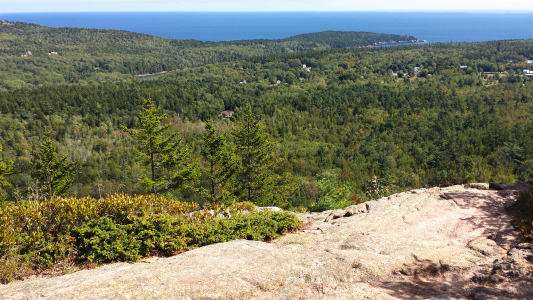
479,186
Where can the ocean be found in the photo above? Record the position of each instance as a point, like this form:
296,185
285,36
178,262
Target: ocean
432,27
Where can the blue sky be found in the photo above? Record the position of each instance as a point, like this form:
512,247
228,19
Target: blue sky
11,6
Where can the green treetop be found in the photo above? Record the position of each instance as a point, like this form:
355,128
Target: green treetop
54,174
221,165
162,153
256,152
5,169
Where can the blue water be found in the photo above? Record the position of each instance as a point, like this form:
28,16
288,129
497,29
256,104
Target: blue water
433,27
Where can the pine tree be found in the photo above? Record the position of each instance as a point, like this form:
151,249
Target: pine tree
163,155
256,153
54,174
5,169
220,164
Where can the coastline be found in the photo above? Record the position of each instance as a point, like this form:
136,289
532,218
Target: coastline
398,42
434,27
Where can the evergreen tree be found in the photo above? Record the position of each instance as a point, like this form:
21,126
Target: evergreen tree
163,155
256,152
54,174
220,164
5,169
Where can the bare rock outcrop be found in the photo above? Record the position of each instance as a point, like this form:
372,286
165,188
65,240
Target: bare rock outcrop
438,243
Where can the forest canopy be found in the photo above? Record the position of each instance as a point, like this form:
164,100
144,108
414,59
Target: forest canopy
33,55
341,121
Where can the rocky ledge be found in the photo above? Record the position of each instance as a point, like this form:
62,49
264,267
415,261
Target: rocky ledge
439,243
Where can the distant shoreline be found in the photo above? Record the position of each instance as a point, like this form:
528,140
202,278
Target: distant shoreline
392,43
215,27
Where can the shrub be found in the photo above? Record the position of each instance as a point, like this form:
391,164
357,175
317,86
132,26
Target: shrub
13,267
103,240
375,188
38,235
526,171
522,212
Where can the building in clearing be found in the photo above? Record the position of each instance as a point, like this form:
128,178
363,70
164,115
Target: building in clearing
527,73
227,113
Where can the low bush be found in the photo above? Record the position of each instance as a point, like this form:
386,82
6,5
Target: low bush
103,240
522,212
526,171
36,235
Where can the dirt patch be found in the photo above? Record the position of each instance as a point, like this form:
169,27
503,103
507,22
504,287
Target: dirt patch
449,243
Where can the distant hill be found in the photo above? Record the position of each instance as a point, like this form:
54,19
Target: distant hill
35,55
343,39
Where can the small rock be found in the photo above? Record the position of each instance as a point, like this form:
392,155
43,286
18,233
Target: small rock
479,186
481,279
269,208
355,209
524,246
485,246
496,186
480,293
407,270
370,205
338,213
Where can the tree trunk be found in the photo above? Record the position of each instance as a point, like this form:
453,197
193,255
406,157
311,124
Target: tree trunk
153,172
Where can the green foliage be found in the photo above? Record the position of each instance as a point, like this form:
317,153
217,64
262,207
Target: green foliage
77,55
38,235
163,155
56,215
54,174
256,153
220,163
375,188
13,267
328,192
5,169
522,212
344,39
349,113
104,240
526,171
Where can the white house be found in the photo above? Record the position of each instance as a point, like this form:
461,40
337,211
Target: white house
527,73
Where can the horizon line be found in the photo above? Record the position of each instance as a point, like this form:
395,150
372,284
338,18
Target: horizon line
288,11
